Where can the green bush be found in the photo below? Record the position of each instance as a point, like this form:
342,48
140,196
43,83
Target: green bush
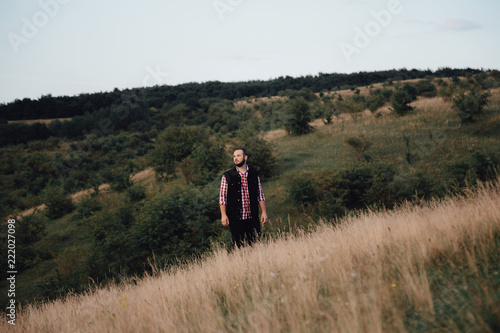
29,230
87,206
303,190
175,226
400,102
359,146
174,145
299,117
486,166
479,166
305,93
205,163
470,105
331,194
136,193
374,102
58,203
426,88
411,90
113,250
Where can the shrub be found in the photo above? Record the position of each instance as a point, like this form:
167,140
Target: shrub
299,117
174,145
30,229
175,226
374,102
353,105
205,163
87,206
426,88
136,193
486,166
331,194
411,90
470,105
359,146
16,133
58,203
118,178
400,102
303,190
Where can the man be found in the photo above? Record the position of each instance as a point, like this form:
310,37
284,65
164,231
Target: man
240,197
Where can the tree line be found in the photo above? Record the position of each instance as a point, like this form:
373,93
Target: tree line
48,106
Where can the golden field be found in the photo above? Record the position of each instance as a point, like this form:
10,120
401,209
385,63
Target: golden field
431,266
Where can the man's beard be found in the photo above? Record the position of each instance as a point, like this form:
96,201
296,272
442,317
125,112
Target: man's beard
239,165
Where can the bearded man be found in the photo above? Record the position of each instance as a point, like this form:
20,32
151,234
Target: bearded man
240,197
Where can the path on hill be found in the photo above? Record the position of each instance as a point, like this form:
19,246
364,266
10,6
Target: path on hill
76,197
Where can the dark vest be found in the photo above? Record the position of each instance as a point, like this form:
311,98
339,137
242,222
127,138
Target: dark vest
234,205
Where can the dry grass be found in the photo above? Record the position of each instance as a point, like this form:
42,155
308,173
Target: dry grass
366,274
41,121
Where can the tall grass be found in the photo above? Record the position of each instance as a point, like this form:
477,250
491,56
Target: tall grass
431,266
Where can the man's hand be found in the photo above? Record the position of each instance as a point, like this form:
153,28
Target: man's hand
263,218
225,220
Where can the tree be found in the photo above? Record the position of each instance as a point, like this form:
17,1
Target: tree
299,117
400,102
174,145
411,90
175,225
58,204
470,105
359,146
205,163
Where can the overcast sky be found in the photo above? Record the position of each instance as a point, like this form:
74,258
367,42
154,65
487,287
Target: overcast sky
68,47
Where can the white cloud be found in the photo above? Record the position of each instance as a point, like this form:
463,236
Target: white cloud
459,25
450,24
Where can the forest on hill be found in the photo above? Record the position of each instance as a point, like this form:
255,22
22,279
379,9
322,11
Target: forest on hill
325,146
48,107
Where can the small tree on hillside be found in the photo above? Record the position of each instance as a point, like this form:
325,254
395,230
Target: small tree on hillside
400,102
411,90
470,105
359,147
299,117
173,146
58,203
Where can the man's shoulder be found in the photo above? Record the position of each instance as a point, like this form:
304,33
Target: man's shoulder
231,172
253,172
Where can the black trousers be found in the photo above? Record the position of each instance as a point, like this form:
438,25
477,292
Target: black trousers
240,228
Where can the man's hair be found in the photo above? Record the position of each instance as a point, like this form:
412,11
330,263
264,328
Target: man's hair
244,151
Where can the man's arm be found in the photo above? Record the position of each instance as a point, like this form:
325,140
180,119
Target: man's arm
224,219
223,202
262,203
263,216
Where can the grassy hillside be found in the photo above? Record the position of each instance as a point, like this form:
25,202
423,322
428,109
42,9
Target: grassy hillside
361,159
438,143
427,267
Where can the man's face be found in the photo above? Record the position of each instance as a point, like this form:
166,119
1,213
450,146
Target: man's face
239,158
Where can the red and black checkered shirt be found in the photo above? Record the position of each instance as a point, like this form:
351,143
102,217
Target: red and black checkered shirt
245,196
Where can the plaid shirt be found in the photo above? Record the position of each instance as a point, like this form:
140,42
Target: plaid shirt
245,196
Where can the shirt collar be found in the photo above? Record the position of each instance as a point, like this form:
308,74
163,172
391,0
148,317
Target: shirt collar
242,173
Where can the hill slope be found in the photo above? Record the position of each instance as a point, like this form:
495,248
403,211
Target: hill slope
422,267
